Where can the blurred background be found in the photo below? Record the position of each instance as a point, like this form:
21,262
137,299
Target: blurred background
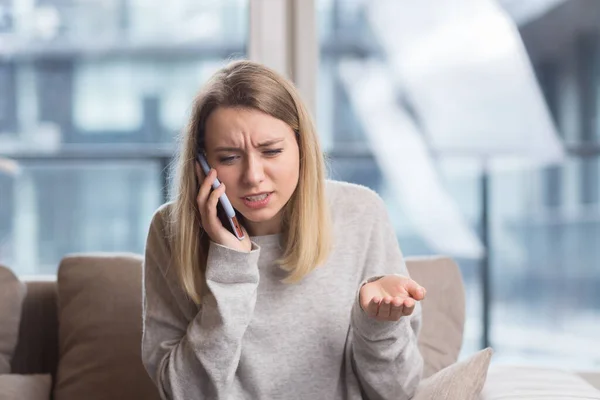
477,121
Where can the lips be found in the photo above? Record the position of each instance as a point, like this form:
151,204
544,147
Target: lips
257,200
257,197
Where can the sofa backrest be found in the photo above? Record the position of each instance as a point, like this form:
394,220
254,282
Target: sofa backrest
38,347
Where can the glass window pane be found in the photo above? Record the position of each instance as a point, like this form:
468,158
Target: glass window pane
109,71
470,115
92,95
546,263
53,208
346,36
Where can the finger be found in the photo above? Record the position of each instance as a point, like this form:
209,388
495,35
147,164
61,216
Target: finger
385,307
373,307
397,310
409,306
204,190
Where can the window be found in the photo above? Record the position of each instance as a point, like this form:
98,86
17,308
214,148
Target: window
542,219
93,93
92,96
346,36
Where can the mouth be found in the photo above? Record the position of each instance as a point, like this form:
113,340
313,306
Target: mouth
257,200
257,196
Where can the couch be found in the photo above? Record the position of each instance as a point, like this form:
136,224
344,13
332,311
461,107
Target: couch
79,338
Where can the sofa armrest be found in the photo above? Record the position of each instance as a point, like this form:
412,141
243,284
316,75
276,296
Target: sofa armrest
593,378
25,387
37,346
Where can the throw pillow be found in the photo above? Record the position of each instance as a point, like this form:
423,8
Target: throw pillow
12,293
441,335
30,387
460,381
100,329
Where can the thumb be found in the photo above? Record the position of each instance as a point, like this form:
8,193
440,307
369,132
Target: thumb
415,290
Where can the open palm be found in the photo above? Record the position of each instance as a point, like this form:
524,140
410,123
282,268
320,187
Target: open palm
390,297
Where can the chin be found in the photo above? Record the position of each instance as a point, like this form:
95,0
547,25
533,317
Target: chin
258,215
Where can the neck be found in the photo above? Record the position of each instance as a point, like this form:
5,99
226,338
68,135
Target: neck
262,228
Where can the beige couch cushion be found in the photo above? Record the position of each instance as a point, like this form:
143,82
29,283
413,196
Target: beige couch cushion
460,381
441,335
100,329
12,293
25,387
529,383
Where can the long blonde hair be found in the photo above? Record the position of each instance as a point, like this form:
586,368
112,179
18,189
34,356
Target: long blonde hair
306,230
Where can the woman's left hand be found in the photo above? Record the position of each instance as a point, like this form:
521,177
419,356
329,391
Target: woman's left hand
390,297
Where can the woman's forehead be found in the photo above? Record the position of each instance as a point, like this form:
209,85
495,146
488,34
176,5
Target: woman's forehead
229,126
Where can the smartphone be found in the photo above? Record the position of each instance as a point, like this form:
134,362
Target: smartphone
231,221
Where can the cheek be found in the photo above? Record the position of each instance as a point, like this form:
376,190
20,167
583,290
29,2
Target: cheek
287,171
228,177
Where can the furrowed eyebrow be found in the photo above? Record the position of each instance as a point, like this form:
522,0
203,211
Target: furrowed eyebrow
228,149
270,142
264,144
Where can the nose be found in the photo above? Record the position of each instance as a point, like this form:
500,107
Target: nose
254,173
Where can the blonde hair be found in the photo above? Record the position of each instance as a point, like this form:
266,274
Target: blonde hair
306,230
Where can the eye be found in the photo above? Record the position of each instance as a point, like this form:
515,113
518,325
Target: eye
227,160
273,152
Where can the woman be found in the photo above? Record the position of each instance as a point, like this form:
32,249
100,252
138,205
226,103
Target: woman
314,303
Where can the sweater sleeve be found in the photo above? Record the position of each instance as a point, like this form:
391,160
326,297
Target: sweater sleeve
385,355
191,353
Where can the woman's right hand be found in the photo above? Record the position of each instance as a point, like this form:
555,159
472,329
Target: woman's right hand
207,201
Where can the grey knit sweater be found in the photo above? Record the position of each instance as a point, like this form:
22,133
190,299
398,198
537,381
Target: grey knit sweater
257,338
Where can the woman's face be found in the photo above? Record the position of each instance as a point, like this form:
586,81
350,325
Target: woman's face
257,157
